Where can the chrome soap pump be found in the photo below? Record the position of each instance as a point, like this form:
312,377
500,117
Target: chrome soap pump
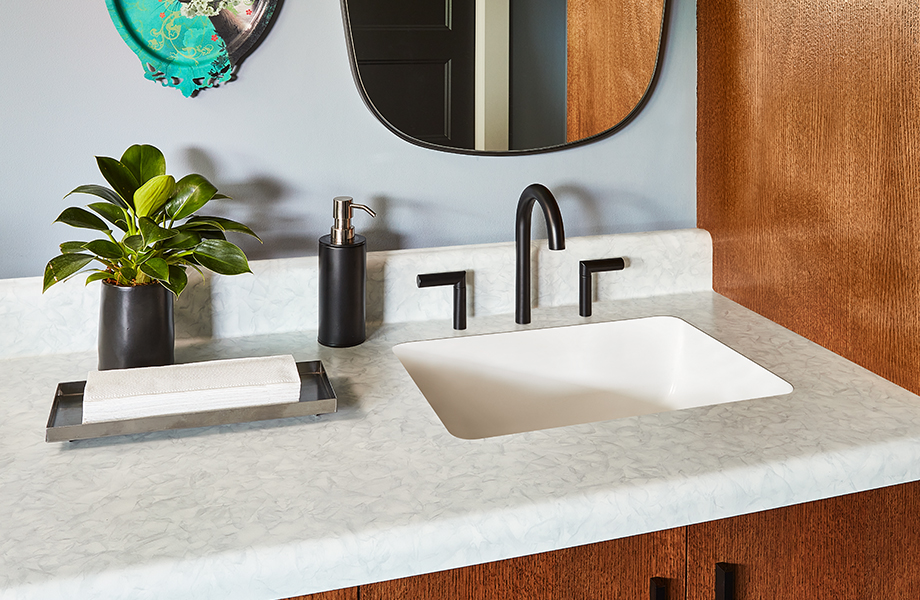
342,278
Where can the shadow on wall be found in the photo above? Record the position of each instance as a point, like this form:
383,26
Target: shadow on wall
378,231
258,202
584,213
591,215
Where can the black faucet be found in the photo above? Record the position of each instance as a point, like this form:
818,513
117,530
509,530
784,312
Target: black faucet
532,193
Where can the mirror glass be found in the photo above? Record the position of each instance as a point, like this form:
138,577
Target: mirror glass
486,76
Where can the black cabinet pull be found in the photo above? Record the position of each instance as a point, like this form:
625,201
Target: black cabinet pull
658,588
725,581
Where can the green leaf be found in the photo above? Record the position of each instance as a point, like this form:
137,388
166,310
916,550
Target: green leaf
177,280
119,177
207,229
72,247
105,249
192,192
200,224
135,242
189,261
61,267
97,275
101,192
128,273
153,233
156,268
224,224
221,257
78,217
183,240
212,234
115,215
144,162
151,196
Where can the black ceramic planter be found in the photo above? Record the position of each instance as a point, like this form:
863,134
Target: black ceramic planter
136,327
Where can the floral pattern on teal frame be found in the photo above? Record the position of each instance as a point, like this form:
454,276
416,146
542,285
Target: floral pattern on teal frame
191,45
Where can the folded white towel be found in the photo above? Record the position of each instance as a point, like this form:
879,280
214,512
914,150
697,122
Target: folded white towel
194,387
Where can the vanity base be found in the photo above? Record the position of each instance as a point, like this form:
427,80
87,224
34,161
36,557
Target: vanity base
848,547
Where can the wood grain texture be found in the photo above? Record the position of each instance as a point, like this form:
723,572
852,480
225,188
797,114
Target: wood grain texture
857,547
612,50
343,594
618,569
807,169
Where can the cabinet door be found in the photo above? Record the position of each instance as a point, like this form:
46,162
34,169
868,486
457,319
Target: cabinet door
619,569
862,546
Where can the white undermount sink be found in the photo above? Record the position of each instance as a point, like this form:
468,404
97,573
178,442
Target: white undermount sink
487,385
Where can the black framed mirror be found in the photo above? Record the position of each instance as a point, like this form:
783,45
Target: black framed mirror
504,76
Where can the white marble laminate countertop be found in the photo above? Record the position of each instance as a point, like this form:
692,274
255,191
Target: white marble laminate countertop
381,490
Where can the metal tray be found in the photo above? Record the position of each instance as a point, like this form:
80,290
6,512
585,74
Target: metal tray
66,420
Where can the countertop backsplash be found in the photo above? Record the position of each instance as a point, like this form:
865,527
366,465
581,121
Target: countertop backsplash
281,294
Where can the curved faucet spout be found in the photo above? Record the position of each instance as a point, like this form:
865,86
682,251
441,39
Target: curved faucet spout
540,194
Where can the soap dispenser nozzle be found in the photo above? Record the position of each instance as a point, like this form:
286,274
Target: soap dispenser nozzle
342,211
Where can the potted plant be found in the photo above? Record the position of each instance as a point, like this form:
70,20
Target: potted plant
151,235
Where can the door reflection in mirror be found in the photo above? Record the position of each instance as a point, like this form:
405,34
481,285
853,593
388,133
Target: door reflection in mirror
503,75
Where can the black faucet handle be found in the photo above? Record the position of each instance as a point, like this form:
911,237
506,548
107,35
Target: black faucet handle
585,269
456,279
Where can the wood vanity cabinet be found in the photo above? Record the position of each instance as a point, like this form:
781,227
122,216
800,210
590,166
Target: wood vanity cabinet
604,571
607,570
863,546
343,594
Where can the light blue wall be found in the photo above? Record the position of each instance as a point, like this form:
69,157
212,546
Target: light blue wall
292,132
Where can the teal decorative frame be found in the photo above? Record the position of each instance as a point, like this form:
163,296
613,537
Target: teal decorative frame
191,44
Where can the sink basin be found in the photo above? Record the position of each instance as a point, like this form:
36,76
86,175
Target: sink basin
488,385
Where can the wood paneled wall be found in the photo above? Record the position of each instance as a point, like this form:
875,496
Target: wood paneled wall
808,169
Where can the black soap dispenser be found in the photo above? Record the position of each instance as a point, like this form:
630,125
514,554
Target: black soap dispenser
342,278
